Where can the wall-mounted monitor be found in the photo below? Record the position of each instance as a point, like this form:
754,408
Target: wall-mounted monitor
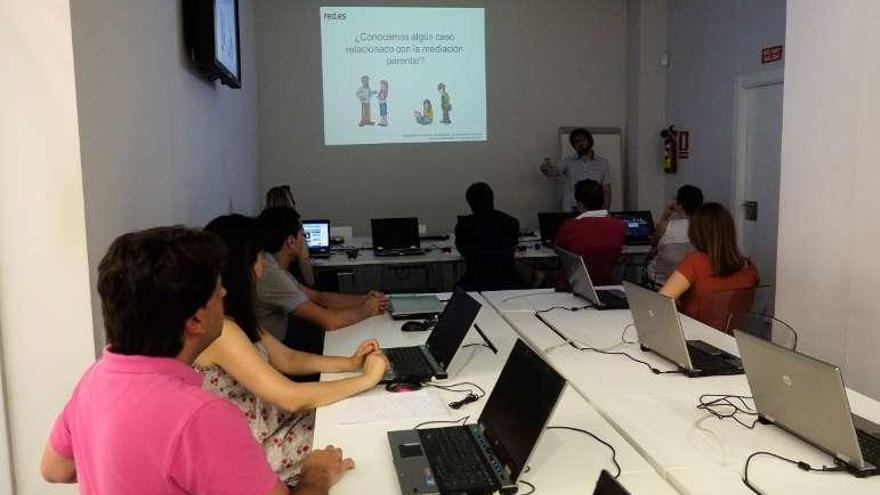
211,34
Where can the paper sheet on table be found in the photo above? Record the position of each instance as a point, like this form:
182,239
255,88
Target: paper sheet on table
418,404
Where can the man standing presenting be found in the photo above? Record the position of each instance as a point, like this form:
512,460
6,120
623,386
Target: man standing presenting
139,421
584,165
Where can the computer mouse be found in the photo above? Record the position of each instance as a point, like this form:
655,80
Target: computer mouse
413,326
403,387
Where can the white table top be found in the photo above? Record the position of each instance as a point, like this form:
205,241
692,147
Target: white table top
562,459
656,413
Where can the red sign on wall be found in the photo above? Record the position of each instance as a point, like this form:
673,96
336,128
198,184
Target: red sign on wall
771,54
684,145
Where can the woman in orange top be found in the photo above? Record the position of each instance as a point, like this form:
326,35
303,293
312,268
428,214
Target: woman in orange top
715,266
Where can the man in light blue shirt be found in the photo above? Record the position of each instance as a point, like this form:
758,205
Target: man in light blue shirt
585,165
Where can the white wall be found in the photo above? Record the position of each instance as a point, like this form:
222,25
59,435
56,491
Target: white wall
710,44
549,64
828,275
160,145
45,315
645,102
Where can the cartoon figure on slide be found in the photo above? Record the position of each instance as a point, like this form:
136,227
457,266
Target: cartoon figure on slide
382,98
445,103
426,116
364,93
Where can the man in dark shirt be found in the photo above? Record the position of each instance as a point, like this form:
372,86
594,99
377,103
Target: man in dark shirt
487,240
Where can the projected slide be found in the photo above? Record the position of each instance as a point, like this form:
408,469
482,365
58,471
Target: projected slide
403,74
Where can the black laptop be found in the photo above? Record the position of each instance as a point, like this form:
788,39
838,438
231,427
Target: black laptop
488,456
396,236
549,224
421,363
607,485
317,234
639,226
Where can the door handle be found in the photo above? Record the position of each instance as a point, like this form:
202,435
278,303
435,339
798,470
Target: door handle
751,210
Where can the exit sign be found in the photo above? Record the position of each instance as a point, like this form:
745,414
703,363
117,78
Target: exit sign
771,54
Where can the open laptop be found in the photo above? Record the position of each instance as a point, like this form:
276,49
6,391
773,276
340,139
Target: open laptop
582,286
807,397
639,226
549,224
396,236
659,329
607,485
488,456
421,363
413,306
317,234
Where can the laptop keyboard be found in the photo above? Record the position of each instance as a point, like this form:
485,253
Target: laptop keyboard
400,252
611,299
455,460
870,447
707,362
408,362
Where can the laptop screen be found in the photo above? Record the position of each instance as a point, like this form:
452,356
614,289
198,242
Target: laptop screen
395,233
639,224
549,224
577,275
317,233
519,406
453,324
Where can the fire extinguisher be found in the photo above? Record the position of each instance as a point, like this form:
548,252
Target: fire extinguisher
670,149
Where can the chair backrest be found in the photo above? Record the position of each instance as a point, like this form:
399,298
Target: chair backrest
715,309
765,327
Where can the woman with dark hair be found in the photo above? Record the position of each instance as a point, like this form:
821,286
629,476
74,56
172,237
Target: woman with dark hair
670,241
716,264
248,365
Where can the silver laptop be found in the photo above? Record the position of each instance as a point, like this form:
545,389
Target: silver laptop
659,329
581,285
414,306
488,456
807,397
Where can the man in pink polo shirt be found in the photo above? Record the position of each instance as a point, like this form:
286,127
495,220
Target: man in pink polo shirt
138,421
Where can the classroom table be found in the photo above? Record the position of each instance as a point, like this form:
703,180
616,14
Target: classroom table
657,414
563,462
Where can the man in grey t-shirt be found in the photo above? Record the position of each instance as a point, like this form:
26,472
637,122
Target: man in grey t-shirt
585,165
279,294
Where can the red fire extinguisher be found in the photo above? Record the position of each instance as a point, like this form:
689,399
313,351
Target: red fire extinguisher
670,149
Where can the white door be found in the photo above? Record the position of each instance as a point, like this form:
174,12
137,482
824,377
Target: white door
758,195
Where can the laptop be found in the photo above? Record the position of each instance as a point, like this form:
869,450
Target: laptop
549,224
659,329
582,286
607,485
807,397
421,363
488,456
639,226
317,234
414,306
396,236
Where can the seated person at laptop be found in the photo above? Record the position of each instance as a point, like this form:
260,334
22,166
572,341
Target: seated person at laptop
247,365
302,269
715,266
279,294
139,421
595,236
487,240
670,241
